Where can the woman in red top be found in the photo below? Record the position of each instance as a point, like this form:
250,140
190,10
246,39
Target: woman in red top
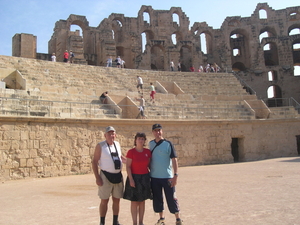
137,187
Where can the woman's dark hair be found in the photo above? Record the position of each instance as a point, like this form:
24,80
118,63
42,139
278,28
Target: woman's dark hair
139,134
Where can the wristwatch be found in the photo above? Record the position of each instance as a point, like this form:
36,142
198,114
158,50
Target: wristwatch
175,174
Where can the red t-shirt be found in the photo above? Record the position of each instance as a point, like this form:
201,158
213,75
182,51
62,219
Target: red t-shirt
140,160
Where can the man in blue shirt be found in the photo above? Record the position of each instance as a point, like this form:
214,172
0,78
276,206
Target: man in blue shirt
162,166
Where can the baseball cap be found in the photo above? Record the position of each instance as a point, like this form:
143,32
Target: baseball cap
156,126
107,129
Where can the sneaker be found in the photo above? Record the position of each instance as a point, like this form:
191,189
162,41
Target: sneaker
179,222
160,222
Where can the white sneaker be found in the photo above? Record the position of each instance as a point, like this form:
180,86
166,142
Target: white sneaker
160,222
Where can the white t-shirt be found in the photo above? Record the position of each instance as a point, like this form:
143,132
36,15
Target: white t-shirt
106,162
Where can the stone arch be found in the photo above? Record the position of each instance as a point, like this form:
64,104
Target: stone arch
179,13
117,25
238,66
239,39
272,75
274,94
293,27
296,51
263,14
271,55
149,35
208,41
157,57
294,15
178,37
269,31
186,57
145,9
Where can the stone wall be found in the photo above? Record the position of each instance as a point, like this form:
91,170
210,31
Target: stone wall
40,147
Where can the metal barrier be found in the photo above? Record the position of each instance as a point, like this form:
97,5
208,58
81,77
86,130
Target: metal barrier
61,109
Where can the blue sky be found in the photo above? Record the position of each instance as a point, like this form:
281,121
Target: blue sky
38,17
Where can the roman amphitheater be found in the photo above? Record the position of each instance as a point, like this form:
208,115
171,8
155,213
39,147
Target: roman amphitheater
52,119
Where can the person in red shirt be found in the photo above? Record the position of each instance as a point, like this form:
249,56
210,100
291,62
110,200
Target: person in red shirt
66,56
137,187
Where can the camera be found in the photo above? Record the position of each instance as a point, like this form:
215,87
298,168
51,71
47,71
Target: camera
116,159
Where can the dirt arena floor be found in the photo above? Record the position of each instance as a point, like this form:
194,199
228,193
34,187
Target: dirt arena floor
258,193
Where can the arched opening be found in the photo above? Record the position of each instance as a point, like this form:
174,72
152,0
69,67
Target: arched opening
157,57
117,30
146,17
239,44
263,35
120,51
236,52
185,58
75,43
294,31
144,41
263,14
297,70
76,29
146,36
112,34
274,96
296,54
293,16
203,43
174,39
175,18
271,54
272,75
238,66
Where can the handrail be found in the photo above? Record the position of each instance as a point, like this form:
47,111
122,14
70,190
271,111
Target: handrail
61,109
281,102
248,88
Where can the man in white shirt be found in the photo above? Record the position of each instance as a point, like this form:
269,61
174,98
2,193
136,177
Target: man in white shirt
108,157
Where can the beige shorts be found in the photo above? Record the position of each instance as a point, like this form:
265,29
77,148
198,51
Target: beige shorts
107,189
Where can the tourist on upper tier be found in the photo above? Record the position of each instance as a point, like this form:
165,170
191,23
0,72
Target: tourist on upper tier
109,62
208,68
142,106
152,92
71,56
118,61
200,69
172,65
179,66
53,57
192,69
103,97
122,63
139,85
137,187
66,56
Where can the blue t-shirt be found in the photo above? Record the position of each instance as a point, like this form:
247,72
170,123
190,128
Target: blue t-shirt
161,162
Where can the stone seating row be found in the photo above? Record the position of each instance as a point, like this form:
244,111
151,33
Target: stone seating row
84,84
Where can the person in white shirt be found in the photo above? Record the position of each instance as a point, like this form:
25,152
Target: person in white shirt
108,157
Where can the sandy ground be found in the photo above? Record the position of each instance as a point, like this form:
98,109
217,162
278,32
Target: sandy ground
262,192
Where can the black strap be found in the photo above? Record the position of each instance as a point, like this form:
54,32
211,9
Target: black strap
157,144
110,151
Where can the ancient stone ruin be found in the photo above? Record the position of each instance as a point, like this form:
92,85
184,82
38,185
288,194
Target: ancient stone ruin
263,48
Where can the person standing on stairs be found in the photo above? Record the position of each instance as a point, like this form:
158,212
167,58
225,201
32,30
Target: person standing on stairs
139,85
152,92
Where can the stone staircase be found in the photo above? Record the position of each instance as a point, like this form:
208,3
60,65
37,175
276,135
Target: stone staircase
73,90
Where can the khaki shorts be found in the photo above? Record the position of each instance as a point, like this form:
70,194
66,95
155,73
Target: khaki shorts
107,189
